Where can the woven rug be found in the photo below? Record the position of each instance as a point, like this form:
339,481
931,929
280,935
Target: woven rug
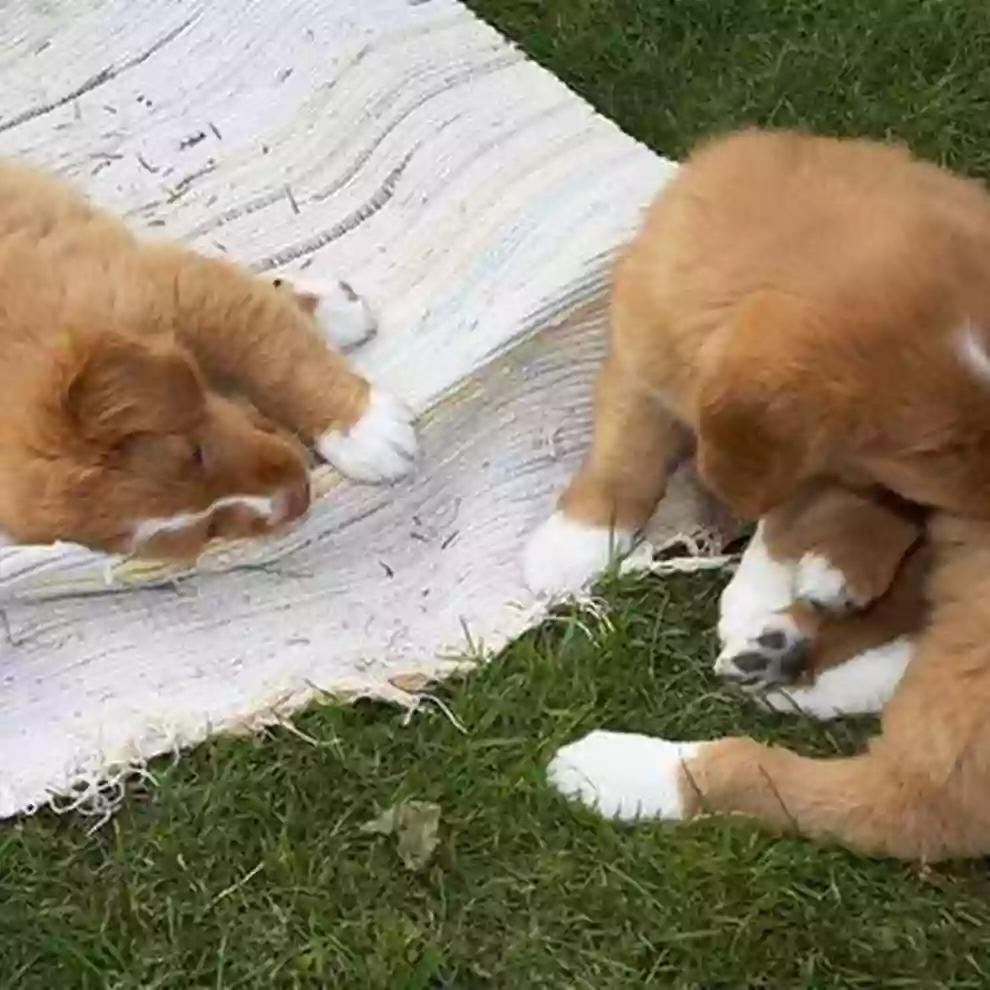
473,200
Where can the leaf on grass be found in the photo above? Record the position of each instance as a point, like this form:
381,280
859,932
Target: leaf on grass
416,827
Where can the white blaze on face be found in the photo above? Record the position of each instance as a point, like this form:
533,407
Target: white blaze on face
263,506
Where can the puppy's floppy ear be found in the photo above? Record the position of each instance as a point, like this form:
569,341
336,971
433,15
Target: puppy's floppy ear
114,386
763,417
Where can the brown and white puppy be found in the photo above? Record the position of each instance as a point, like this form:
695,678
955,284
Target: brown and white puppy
796,308
155,399
842,338
921,790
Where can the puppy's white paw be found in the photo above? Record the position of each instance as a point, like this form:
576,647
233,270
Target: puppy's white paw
381,446
344,318
860,686
760,588
761,644
563,557
623,775
774,653
819,582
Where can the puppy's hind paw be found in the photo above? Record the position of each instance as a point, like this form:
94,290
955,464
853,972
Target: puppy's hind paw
860,686
342,316
778,654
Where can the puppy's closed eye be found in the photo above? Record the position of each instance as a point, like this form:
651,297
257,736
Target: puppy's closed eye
197,456
163,456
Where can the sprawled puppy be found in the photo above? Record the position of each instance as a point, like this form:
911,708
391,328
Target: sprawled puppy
155,399
794,308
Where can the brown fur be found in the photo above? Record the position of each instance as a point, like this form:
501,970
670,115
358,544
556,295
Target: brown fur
144,380
794,299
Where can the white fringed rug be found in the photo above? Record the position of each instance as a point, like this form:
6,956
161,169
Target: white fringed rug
475,202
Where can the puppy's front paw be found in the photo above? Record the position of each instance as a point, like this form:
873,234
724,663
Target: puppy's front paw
819,582
380,447
563,556
777,654
622,775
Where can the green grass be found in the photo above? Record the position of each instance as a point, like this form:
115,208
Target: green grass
672,71
245,865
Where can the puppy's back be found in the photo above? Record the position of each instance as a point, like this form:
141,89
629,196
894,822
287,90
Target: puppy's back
849,226
33,201
63,263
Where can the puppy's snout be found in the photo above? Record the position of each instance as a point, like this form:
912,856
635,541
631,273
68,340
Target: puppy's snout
291,503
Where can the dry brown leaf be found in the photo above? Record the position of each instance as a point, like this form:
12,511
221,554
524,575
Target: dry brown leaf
416,827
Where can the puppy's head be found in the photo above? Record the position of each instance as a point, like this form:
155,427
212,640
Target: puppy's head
120,445
778,404
765,420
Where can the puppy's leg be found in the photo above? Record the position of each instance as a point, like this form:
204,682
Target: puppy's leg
270,345
861,685
824,579
919,792
765,645
760,639
872,803
635,444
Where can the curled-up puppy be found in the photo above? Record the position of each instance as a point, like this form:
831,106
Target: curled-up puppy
919,791
155,399
794,308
